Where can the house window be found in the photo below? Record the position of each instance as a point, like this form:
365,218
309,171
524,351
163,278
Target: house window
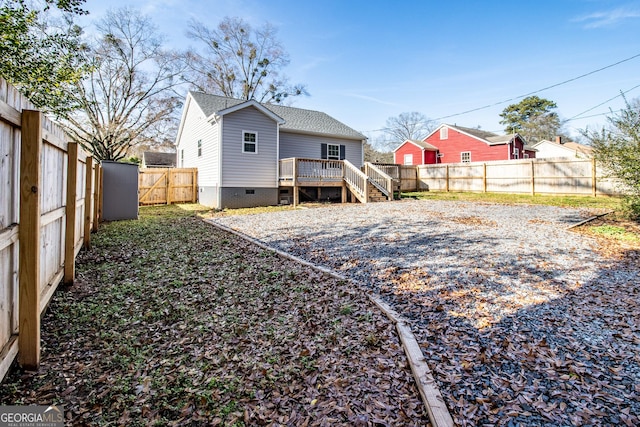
444,133
465,157
199,148
525,156
408,159
516,153
333,152
249,142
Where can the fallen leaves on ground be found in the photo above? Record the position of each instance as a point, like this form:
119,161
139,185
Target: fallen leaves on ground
171,321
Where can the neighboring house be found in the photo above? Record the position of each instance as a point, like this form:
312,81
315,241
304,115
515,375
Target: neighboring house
153,159
238,147
457,144
415,152
549,149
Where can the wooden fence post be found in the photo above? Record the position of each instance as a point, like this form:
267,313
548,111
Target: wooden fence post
169,185
447,178
29,235
194,186
533,178
594,179
96,197
484,177
70,214
88,191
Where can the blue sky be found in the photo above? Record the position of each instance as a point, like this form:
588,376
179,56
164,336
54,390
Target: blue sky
366,61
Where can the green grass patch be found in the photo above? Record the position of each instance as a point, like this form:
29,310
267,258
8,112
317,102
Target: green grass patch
615,232
610,203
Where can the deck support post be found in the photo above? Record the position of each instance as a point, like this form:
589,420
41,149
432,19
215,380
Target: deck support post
296,195
344,192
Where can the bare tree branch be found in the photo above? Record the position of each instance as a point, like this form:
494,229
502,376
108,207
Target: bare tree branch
129,96
239,62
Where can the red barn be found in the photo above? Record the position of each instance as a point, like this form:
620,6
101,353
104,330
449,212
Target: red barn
457,144
415,152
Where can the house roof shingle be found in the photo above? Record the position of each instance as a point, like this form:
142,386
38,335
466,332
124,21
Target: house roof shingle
490,137
297,120
153,158
423,144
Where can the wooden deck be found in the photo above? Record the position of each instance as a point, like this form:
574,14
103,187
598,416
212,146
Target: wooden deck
372,184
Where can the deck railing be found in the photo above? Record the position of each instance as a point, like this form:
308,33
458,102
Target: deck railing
286,170
357,181
311,170
391,169
379,179
302,171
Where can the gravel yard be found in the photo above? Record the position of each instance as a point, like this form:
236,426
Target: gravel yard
521,321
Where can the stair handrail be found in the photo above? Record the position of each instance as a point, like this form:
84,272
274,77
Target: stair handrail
357,179
379,179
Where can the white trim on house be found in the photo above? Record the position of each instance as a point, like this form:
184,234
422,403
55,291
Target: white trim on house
416,143
252,103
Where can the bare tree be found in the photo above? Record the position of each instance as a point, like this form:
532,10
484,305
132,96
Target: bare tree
128,97
240,62
411,125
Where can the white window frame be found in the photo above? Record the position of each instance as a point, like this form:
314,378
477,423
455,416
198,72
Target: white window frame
333,156
444,133
516,153
245,142
408,159
466,154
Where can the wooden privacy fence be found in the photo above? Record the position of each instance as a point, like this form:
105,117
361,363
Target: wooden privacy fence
168,185
537,176
49,193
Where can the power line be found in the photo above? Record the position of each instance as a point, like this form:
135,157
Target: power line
539,90
602,103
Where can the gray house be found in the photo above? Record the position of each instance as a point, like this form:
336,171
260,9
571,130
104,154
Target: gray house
252,154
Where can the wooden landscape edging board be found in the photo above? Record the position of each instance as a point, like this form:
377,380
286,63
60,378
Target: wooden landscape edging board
431,397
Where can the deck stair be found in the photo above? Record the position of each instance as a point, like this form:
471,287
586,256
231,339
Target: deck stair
375,195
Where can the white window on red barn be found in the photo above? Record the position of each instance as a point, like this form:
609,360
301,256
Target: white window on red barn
444,133
465,157
516,153
408,159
